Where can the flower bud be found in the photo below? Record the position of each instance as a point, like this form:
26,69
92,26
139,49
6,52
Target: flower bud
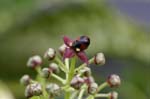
25,80
54,67
53,89
77,82
113,80
46,72
86,71
113,95
62,49
34,61
99,59
50,54
33,90
89,80
92,88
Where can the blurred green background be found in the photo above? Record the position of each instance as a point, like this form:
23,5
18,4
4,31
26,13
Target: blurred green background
29,27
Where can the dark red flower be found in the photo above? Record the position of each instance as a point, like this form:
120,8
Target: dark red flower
76,47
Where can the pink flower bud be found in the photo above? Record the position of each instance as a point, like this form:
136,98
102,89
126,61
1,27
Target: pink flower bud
62,49
113,95
92,88
99,59
25,80
113,80
89,80
86,71
46,72
34,61
77,82
33,90
53,89
54,67
50,54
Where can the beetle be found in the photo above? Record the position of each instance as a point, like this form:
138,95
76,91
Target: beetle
80,44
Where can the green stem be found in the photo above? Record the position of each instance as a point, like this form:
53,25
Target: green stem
84,87
67,66
102,86
83,65
102,95
90,97
58,78
38,70
61,64
42,81
74,95
67,63
67,95
67,88
71,71
69,75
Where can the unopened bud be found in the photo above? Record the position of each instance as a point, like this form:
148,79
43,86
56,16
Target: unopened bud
89,80
34,61
54,67
46,72
62,49
92,88
113,80
99,59
113,95
53,89
25,80
50,54
33,90
86,71
77,82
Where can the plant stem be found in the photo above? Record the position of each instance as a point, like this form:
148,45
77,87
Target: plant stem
71,70
90,97
67,95
61,64
67,66
102,86
69,75
74,95
102,95
58,78
67,63
82,91
83,65
38,70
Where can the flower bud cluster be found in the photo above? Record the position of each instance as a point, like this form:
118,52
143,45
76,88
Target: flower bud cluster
78,79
